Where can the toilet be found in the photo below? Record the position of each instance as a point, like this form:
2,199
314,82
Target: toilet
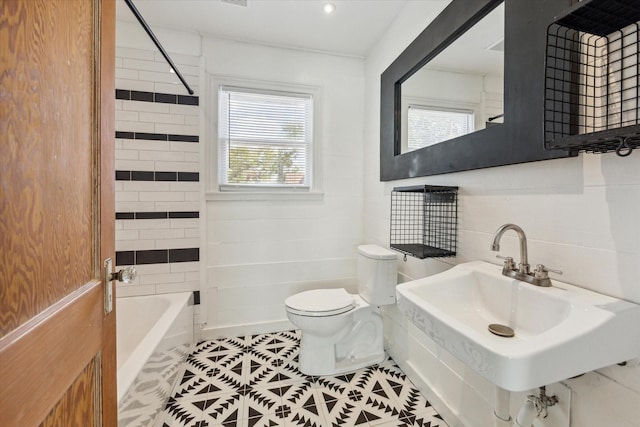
342,332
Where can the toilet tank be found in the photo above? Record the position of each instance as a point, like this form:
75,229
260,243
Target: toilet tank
377,274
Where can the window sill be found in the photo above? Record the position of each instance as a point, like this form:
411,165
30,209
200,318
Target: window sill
262,195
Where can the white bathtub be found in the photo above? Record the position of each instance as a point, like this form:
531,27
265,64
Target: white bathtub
148,325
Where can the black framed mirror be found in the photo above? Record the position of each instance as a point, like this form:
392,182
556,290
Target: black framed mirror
520,138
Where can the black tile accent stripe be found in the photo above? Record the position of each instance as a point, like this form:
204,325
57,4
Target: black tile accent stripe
123,94
184,255
189,176
125,135
184,138
188,100
150,136
157,176
125,215
165,98
166,176
143,176
157,256
184,214
125,258
157,136
141,96
152,256
151,215
158,215
123,175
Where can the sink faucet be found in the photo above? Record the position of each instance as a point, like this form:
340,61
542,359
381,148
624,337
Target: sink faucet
524,260
539,277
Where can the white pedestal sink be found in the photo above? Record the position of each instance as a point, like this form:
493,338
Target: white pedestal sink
560,331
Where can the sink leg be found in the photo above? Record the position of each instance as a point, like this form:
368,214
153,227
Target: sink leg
501,415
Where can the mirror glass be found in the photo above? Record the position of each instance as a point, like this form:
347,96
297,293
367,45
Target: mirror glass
459,91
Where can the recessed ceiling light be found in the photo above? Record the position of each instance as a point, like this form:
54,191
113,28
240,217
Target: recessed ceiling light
329,8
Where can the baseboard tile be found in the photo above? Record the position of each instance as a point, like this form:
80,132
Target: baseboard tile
209,333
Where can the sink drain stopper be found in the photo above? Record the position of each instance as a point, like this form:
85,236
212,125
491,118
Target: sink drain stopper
501,330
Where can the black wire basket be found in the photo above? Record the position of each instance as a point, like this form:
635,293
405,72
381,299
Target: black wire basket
424,221
592,83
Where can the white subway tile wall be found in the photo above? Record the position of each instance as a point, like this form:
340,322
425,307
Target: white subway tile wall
158,180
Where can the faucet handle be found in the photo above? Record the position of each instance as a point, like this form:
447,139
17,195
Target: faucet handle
509,264
541,271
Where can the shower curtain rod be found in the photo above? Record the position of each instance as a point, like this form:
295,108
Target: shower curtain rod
157,43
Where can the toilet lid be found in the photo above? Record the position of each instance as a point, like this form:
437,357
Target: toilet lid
320,302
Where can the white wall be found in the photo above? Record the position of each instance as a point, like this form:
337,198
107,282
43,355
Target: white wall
579,214
258,252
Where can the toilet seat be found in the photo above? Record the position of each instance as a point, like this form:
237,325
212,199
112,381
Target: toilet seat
320,302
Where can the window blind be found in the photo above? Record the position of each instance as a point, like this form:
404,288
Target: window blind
265,138
427,126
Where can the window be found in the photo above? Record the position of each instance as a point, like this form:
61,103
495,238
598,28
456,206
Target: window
430,125
265,139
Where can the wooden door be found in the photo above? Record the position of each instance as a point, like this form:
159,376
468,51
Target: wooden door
57,345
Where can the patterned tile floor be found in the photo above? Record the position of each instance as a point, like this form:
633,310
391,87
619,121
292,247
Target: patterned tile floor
254,381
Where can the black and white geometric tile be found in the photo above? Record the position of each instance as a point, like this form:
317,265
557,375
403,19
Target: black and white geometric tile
254,381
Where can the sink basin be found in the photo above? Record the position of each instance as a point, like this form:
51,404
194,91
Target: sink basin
560,332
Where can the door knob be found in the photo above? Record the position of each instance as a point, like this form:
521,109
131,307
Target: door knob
126,275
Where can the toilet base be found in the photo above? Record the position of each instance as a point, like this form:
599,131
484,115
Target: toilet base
358,346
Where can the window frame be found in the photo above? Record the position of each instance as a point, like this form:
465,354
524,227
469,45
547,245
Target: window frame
219,191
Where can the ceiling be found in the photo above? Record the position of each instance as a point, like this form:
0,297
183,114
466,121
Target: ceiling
353,29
